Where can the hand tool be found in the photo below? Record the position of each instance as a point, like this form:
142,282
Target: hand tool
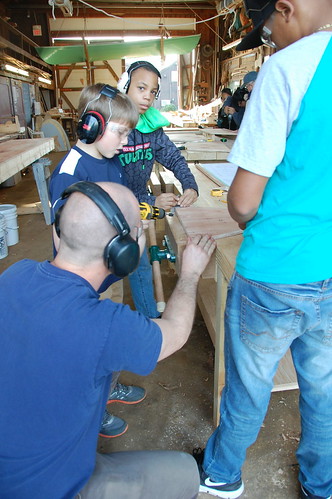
149,212
217,192
156,255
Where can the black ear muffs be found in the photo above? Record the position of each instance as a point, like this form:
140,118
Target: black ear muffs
92,124
121,254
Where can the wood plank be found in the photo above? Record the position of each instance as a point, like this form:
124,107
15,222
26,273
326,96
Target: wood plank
15,155
197,220
216,222
169,183
206,299
220,173
166,182
208,146
220,132
155,184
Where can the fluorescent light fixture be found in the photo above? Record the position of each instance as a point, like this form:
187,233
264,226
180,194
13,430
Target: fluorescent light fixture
44,80
18,71
232,44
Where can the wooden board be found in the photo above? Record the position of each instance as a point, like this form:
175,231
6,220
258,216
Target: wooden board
220,132
208,146
214,221
183,138
206,151
198,220
15,155
221,173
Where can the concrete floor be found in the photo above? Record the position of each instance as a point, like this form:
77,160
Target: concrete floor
177,412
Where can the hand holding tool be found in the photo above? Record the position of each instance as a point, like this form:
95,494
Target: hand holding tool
149,212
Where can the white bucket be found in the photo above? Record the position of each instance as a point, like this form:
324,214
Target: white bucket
3,238
10,213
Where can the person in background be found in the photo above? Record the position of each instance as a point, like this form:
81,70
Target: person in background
106,118
148,143
231,114
280,295
225,94
234,107
65,343
249,81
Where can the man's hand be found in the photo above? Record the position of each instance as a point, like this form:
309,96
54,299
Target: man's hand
196,254
177,319
229,110
188,197
166,201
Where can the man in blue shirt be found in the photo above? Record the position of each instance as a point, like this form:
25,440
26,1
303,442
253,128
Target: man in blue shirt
59,345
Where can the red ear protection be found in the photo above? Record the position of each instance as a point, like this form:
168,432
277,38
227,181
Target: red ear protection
90,126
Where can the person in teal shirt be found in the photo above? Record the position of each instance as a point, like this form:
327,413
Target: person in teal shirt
280,295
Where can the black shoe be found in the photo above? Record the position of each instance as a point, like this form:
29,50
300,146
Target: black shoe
217,489
112,426
305,494
198,454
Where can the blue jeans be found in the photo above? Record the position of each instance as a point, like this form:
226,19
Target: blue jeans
141,285
262,321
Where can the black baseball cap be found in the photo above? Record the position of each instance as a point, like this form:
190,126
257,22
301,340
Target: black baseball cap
259,11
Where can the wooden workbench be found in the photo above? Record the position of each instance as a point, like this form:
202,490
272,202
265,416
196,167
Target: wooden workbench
200,146
15,155
212,288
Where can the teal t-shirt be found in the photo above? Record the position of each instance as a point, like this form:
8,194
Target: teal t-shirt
289,240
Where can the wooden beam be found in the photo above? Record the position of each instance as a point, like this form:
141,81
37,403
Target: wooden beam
88,67
8,45
65,98
66,76
111,70
119,33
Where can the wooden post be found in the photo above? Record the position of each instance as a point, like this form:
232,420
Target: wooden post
160,299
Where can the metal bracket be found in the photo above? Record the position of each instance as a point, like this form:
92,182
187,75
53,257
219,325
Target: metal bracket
157,254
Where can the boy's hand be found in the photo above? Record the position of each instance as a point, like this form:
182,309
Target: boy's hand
196,254
166,201
188,197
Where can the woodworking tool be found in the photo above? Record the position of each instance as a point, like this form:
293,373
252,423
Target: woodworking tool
149,212
217,192
157,254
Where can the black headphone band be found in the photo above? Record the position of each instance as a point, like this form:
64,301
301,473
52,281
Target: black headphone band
141,64
122,253
104,202
108,91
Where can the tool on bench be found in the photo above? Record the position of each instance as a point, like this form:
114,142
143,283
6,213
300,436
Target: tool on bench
218,192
